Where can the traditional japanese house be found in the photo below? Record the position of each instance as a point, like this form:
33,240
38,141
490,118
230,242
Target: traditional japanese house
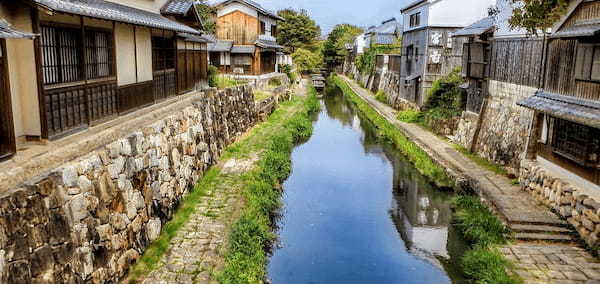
68,65
252,30
428,50
565,134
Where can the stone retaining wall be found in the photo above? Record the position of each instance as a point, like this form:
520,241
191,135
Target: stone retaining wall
580,210
91,218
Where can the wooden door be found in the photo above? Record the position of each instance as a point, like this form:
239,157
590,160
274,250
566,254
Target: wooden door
7,136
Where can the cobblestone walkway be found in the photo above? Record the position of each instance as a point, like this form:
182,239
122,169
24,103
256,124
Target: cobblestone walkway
535,261
194,253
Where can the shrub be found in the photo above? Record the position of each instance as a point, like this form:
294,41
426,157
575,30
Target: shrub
486,266
477,222
381,97
287,69
410,116
446,98
213,73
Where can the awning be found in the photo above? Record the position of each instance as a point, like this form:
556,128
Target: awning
569,108
114,12
478,28
267,44
412,77
582,30
7,31
193,38
243,49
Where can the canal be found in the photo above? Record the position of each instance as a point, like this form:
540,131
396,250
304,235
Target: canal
356,211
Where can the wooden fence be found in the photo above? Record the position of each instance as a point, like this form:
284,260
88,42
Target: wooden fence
517,61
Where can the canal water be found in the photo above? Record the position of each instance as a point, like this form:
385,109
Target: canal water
356,211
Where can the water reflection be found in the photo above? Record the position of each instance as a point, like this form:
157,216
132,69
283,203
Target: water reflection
357,212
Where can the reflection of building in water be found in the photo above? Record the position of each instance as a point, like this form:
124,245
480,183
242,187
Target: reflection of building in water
337,107
421,213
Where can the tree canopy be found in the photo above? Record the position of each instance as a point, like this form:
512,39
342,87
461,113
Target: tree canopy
298,30
334,49
207,15
307,60
534,15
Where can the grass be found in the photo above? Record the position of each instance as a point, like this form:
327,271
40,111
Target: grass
262,95
389,132
223,82
381,97
481,161
409,116
483,263
245,260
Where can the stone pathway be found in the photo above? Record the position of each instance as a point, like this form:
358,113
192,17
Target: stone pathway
531,221
195,252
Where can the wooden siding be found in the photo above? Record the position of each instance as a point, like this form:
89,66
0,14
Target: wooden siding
135,96
243,29
560,74
517,61
584,13
7,138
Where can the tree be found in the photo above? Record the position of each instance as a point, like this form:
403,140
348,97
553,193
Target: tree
334,48
306,60
298,30
207,15
534,15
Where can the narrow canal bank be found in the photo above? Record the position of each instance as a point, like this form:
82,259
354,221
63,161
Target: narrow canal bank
357,211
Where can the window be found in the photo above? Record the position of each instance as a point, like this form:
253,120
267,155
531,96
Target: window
163,53
587,65
274,31
409,59
263,28
575,141
62,54
415,20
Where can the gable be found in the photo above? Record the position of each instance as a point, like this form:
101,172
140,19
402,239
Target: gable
582,14
235,6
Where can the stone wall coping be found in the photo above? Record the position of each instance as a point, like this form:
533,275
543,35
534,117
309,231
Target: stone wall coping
579,189
40,159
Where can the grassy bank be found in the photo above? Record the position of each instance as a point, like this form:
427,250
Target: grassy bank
389,132
251,235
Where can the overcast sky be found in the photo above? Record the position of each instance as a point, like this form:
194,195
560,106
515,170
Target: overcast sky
328,13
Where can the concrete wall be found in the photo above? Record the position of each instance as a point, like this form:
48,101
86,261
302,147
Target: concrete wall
89,219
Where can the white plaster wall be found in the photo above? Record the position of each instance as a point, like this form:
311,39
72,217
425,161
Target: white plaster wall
424,10
144,53
360,43
269,22
125,54
148,5
458,13
237,7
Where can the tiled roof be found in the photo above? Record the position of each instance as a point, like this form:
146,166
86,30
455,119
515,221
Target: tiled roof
194,38
385,38
484,25
267,44
582,30
243,49
216,45
6,31
570,108
251,3
114,12
177,7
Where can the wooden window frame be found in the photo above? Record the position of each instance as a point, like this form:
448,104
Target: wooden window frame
415,20
560,131
263,28
584,63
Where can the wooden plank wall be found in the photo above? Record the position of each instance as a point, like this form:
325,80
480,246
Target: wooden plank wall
243,29
517,61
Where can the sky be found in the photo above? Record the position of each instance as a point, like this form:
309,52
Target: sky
328,13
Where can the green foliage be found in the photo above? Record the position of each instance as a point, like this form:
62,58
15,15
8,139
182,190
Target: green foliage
446,94
334,48
477,222
390,133
409,116
224,82
481,161
213,73
274,82
534,15
307,60
366,61
298,30
287,69
245,258
381,97
207,15
261,95
487,266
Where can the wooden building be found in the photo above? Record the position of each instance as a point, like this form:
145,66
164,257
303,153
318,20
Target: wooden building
68,65
245,39
565,135
428,49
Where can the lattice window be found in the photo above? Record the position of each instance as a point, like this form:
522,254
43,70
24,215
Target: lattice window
163,53
575,141
99,50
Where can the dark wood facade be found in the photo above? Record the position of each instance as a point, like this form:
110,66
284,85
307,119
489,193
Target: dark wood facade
7,137
518,61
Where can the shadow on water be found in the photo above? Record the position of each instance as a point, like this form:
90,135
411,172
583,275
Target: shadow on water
356,211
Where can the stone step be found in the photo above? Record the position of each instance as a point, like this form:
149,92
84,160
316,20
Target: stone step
529,228
525,219
544,237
